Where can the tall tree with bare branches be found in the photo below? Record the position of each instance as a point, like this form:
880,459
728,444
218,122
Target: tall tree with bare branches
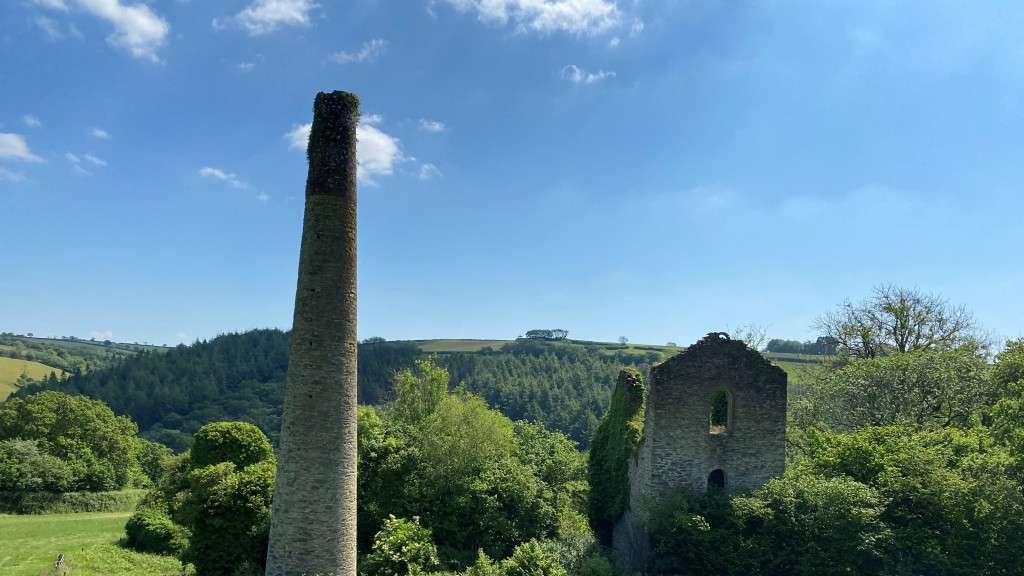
896,320
313,518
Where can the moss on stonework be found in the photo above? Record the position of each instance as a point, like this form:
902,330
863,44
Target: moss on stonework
333,113
614,445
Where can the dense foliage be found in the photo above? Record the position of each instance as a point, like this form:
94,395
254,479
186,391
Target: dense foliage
170,394
56,442
443,478
477,480
613,447
239,443
213,510
151,530
882,500
905,463
921,389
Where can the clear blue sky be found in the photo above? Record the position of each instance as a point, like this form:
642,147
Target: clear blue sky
653,169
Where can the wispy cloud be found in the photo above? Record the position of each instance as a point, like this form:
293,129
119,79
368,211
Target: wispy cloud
137,28
76,164
428,171
99,133
94,160
577,75
265,16
376,151
226,177
31,121
52,4
432,126
50,27
368,52
10,175
581,17
15,147
77,161
245,66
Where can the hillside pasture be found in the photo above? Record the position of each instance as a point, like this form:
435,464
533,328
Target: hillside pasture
29,545
11,369
456,345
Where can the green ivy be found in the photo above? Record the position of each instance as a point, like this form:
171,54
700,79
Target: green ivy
614,443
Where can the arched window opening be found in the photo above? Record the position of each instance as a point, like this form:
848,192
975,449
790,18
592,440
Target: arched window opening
721,413
716,480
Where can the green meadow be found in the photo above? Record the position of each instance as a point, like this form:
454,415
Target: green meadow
30,544
11,369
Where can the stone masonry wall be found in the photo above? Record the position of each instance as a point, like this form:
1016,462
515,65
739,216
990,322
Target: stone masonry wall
683,451
678,450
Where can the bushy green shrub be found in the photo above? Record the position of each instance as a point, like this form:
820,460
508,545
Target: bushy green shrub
530,559
401,548
228,513
240,443
800,524
151,530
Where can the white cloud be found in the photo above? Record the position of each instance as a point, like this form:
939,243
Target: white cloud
263,197
101,335
14,147
52,4
137,28
50,26
432,126
428,171
636,27
371,119
31,121
246,66
264,16
10,176
226,177
376,151
577,75
614,42
100,133
95,160
76,162
545,16
368,52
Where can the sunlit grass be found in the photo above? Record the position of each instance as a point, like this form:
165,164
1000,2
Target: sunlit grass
29,545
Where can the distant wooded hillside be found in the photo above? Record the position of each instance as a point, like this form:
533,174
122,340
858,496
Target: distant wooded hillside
170,393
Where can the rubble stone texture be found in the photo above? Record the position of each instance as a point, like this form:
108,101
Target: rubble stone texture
313,518
681,450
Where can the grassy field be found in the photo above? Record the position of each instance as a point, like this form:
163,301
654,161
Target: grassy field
451,345
30,544
11,369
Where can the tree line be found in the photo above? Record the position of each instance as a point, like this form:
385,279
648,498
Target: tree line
171,394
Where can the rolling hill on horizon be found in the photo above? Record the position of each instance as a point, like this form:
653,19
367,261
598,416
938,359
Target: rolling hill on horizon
171,392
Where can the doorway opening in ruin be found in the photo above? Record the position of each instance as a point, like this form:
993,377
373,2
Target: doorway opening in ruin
721,413
716,480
